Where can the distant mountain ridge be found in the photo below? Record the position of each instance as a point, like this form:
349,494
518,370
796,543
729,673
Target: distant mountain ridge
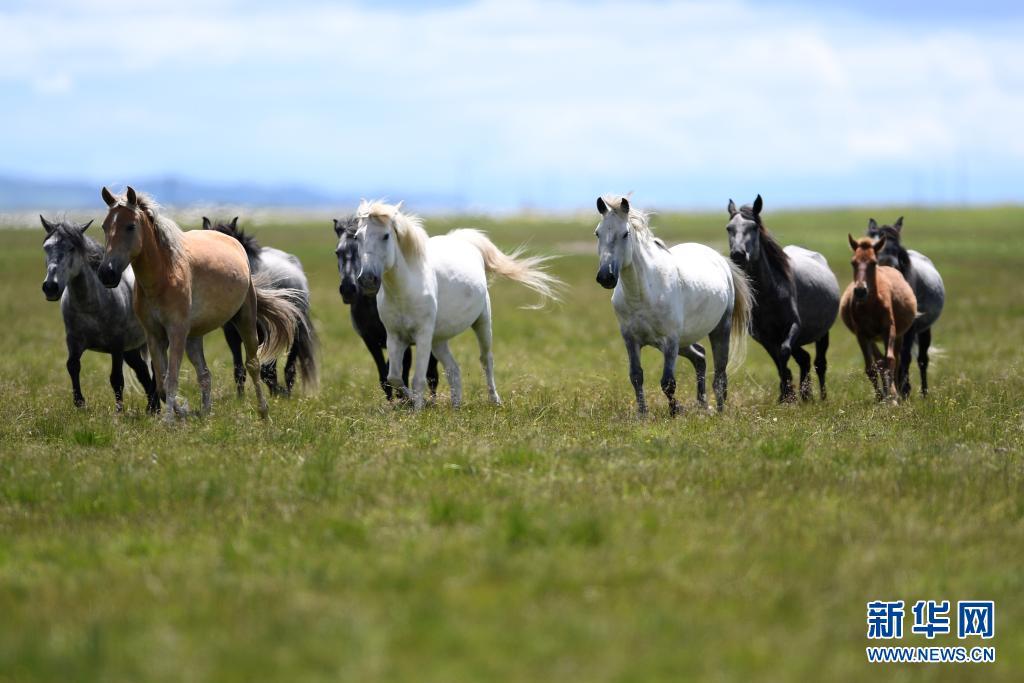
19,194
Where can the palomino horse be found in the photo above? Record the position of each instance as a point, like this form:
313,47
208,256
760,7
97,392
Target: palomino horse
877,305
670,299
188,284
430,289
797,297
363,309
95,318
922,276
281,270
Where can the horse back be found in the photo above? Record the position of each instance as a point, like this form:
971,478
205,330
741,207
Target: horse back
817,293
928,288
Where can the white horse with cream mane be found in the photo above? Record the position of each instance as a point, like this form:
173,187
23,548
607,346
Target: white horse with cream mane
670,299
429,289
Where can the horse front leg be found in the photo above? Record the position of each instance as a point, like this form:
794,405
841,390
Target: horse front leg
117,378
696,354
74,366
636,373
176,338
668,375
396,350
424,341
134,360
867,349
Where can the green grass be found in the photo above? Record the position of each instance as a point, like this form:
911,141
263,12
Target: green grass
555,538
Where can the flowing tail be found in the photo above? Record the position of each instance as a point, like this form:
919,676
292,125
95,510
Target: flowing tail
306,349
525,269
742,310
279,313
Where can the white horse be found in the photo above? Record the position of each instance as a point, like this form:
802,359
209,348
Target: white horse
670,299
430,289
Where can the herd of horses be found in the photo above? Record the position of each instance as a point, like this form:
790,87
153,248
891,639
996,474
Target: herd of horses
152,291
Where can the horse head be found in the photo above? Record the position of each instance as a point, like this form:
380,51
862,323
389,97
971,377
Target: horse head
864,262
744,228
122,228
348,255
65,255
614,246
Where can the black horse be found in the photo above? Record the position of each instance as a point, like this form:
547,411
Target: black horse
363,309
796,297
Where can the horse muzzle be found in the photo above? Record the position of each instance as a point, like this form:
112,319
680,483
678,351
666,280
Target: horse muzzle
348,290
52,290
739,258
369,283
109,275
860,293
608,276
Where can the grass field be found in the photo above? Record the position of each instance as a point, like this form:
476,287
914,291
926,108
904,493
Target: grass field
555,538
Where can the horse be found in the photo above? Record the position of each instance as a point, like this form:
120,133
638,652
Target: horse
363,309
284,271
797,298
430,289
95,318
877,305
670,299
188,284
922,276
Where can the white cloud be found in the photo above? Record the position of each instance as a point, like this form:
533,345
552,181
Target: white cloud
500,91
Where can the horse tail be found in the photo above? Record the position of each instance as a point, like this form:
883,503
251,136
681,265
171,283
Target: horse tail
306,347
742,310
527,270
279,313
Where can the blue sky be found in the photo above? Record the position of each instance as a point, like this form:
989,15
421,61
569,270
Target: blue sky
502,105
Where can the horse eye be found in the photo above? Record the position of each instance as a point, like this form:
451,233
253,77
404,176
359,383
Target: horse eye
387,236
130,227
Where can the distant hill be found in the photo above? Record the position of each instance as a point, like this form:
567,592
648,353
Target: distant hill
19,194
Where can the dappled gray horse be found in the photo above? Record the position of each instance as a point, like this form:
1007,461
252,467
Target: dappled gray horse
796,297
922,276
95,318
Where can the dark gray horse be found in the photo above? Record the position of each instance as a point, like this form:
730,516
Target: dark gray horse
363,309
796,297
922,276
282,271
95,318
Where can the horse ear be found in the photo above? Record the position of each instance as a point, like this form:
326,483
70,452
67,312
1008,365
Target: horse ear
398,206
872,225
898,225
602,208
234,223
853,242
758,204
133,199
108,198
207,225
624,205
732,208
47,225
83,228
879,243
337,229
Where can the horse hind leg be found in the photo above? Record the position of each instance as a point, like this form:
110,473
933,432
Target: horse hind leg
924,341
268,373
194,349
668,377
74,366
442,353
697,356
482,329
289,370
117,378
135,361
245,323
234,341
821,362
803,359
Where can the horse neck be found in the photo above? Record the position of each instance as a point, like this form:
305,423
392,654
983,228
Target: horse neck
634,276
404,277
764,276
85,288
872,279
153,263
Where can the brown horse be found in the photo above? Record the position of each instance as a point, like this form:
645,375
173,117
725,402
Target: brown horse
188,284
878,305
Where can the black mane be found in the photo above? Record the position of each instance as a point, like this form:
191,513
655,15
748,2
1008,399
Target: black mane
249,243
892,237
776,257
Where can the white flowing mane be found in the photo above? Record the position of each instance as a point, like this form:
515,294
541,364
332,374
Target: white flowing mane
412,237
168,234
638,220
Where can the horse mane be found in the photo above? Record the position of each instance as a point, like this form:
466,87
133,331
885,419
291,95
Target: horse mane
772,249
90,248
412,237
168,234
638,220
349,224
249,243
892,236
